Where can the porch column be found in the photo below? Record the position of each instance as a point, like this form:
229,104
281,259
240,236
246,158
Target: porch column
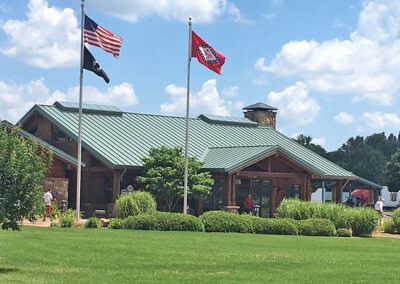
116,175
230,199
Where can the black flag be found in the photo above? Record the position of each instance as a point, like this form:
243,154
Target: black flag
90,63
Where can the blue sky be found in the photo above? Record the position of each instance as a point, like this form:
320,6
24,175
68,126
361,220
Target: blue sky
330,67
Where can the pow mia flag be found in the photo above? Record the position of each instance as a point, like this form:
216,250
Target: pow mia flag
90,63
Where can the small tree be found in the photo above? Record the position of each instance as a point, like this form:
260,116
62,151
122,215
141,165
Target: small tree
164,173
23,164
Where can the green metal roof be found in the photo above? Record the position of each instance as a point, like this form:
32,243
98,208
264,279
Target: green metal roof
232,159
122,141
57,152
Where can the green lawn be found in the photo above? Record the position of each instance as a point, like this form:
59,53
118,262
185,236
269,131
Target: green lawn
60,255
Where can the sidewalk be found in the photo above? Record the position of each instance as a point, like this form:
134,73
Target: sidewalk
38,223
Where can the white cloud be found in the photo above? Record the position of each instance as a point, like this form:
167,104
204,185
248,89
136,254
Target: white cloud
49,38
344,117
364,66
121,95
321,141
294,104
201,11
16,100
230,92
206,101
378,120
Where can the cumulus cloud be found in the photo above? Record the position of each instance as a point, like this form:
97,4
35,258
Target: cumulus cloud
365,65
294,104
201,11
49,38
378,120
321,141
207,101
344,117
17,99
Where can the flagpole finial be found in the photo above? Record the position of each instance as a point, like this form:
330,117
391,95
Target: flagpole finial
190,21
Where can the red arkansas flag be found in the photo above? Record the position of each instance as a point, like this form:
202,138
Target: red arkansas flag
207,55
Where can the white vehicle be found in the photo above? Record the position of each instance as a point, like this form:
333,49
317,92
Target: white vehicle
391,199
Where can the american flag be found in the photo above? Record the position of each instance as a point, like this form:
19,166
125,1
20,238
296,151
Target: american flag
100,37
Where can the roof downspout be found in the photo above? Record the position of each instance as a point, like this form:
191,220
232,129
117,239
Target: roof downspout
341,189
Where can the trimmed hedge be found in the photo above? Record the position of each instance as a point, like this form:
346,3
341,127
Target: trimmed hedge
163,221
342,232
316,227
222,221
275,226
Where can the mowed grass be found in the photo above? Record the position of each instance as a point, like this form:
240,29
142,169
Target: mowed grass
61,255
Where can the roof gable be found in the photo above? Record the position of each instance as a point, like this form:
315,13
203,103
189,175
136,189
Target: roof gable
57,152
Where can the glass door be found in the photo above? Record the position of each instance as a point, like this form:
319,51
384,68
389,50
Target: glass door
260,190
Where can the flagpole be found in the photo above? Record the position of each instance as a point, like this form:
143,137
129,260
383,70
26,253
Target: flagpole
79,166
185,180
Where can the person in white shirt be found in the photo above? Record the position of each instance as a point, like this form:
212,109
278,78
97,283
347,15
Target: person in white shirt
47,198
379,206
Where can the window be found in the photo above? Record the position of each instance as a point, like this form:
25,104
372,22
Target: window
56,134
214,201
108,187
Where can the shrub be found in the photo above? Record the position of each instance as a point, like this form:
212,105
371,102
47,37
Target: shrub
396,220
116,224
275,226
342,232
164,221
92,223
388,226
136,203
67,220
178,222
141,222
363,221
222,221
316,227
302,210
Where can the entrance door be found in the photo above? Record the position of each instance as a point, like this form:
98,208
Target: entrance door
260,189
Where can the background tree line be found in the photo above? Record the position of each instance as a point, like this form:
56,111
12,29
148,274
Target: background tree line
376,157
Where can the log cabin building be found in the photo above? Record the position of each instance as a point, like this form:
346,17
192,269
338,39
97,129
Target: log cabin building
244,155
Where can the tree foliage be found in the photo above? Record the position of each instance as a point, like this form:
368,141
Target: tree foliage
392,172
164,173
366,157
306,141
23,164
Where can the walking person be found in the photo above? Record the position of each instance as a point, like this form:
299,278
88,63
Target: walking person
47,198
379,206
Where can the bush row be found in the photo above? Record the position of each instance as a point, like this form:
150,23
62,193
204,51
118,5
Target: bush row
362,221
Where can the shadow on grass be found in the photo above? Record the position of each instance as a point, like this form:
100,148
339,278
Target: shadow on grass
8,270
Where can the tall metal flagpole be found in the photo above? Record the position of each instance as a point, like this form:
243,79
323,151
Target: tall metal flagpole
79,166
185,180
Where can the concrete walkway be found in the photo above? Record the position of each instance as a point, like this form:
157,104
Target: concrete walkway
38,223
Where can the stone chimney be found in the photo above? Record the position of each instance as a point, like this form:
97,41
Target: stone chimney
261,113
